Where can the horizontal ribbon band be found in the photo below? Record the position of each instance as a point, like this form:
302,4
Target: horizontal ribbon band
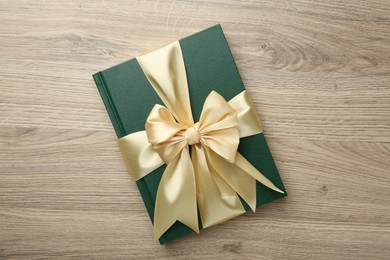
214,176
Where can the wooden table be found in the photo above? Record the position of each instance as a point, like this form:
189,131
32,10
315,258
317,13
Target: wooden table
320,77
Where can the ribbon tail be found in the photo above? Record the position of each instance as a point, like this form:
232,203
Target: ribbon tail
252,171
241,176
176,196
242,183
217,201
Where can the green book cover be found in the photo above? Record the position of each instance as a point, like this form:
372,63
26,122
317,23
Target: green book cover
129,98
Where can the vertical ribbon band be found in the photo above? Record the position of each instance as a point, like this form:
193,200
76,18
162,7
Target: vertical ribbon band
215,175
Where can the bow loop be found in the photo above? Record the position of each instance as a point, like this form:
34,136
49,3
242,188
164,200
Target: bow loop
164,133
218,126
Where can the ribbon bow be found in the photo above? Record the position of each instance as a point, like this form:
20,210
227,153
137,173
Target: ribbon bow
208,177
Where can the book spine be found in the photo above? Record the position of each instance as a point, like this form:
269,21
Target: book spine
120,132
110,107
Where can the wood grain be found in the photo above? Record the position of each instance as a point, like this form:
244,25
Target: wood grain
319,73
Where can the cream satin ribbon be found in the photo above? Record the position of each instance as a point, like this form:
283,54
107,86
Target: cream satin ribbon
212,176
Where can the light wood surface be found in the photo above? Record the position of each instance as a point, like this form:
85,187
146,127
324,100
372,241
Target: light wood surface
319,73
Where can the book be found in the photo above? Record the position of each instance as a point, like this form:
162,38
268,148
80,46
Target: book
129,98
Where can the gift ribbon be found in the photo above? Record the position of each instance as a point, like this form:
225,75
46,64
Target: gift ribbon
212,176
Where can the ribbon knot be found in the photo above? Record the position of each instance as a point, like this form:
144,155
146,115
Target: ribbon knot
192,135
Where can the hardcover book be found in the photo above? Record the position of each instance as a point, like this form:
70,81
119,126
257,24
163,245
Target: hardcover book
128,97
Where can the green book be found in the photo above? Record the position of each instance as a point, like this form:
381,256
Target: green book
129,98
